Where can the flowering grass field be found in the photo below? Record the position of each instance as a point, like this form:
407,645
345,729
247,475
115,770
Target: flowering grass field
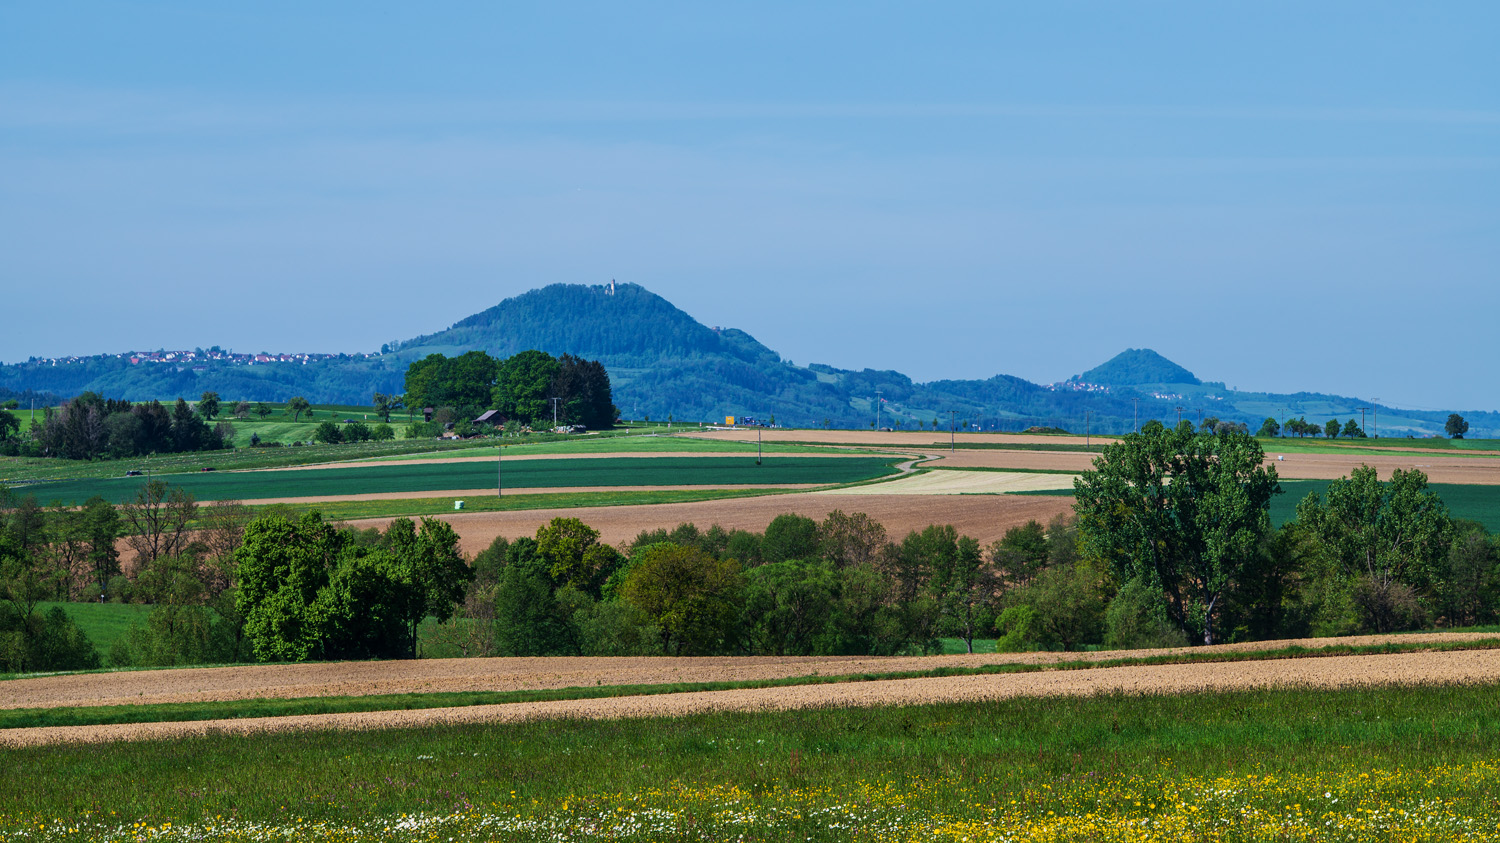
1390,764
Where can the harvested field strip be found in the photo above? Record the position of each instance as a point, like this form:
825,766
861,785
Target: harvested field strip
939,481
296,707
366,678
630,471
1368,763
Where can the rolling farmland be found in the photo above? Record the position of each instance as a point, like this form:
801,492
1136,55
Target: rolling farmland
473,474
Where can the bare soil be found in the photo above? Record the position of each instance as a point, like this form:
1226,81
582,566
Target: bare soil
1475,666
985,517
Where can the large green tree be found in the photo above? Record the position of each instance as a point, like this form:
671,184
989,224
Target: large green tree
1181,511
1456,427
464,383
789,607
1389,539
573,556
691,597
430,572
525,387
282,567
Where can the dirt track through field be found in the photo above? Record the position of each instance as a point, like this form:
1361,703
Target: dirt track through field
1475,666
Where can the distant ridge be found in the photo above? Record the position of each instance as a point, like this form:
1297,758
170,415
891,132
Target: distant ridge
664,364
1137,366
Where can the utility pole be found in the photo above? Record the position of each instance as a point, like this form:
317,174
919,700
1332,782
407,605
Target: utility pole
1137,403
499,472
1376,408
877,409
1179,415
554,412
1361,418
1088,427
952,422
758,429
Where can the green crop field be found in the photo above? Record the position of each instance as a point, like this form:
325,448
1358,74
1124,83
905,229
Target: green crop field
1474,503
1388,447
1423,444
622,471
1470,502
1410,763
661,443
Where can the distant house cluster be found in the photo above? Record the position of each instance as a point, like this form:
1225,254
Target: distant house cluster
198,359
1077,386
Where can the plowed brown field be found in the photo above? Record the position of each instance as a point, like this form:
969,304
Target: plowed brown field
985,517
1476,666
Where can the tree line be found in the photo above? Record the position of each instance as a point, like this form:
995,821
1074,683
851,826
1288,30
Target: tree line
521,388
93,427
1170,542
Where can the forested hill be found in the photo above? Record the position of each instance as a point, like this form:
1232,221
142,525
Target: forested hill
663,362
622,325
1136,366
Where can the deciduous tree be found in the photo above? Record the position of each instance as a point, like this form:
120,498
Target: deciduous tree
157,521
1391,536
298,405
1181,511
693,598
1456,427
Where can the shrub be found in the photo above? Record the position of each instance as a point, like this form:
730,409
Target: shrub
328,433
43,642
1137,619
356,432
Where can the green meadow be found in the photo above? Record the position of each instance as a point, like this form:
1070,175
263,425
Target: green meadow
1407,763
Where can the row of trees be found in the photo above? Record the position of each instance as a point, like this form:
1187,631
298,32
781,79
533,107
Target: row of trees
91,426
839,586
520,387
1302,427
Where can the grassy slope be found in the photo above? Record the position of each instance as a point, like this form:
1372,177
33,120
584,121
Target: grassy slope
624,471
103,623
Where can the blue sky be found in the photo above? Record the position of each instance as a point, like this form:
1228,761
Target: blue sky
1283,196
